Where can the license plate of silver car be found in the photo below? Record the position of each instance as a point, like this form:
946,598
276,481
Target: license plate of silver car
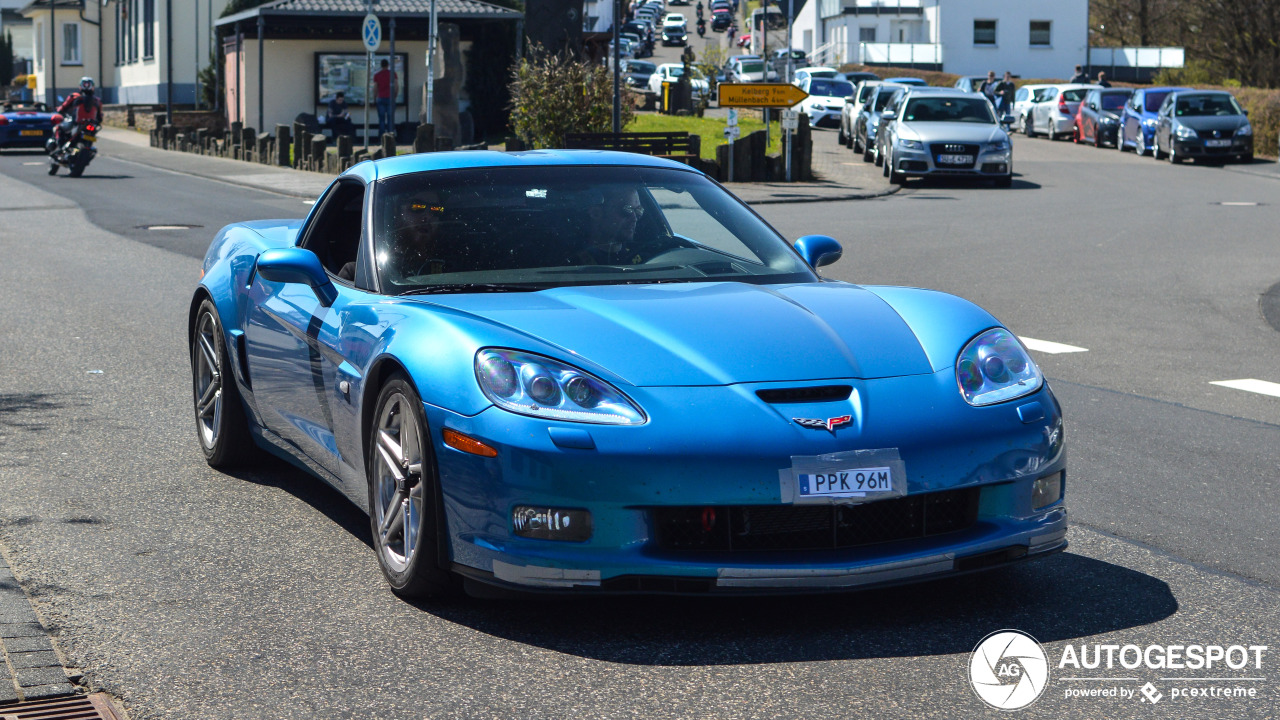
955,159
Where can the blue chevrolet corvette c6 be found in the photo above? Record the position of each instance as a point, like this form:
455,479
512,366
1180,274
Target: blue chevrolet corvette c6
602,372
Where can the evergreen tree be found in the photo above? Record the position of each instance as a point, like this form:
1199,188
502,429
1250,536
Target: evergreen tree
6,59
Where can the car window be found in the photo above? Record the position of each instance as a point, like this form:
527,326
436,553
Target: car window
1113,101
1206,105
948,109
1074,95
334,233
1021,95
540,227
865,92
1155,99
829,88
885,98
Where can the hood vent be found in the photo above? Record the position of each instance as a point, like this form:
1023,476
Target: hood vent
822,393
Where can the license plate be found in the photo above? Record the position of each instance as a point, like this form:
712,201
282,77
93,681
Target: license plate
91,138
1217,143
955,159
36,133
854,482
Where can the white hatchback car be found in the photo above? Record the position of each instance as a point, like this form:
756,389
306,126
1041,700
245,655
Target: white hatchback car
805,73
826,99
671,72
1026,96
1055,114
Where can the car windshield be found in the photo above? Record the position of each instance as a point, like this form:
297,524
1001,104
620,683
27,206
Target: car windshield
830,88
1153,100
640,67
1114,101
1204,105
1075,95
948,109
752,66
883,99
526,228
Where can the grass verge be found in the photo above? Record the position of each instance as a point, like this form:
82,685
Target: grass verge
711,130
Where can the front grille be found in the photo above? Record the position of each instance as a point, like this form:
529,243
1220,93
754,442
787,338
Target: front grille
953,149
821,393
745,528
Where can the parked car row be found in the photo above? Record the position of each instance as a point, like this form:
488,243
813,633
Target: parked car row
1174,123
916,131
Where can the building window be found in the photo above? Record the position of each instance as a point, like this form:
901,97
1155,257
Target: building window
984,32
867,34
71,43
1041,32
148,28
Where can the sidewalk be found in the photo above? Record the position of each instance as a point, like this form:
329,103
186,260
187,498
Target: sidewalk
29,667
843,175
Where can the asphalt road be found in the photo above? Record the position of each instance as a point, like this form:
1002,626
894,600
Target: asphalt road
191,593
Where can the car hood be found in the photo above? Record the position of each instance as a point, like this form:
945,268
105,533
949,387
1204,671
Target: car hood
957,132
699,334
1213,122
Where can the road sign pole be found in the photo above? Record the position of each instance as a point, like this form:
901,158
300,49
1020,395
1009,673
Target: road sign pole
368,81
786,139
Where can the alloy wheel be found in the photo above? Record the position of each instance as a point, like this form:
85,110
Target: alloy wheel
398,483
208,387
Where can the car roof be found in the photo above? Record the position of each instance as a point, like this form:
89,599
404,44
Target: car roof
931,90
456,160
1076,86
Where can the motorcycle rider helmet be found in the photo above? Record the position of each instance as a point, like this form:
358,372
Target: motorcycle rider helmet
86,85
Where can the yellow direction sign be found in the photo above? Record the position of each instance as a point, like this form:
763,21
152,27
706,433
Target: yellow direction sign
760,95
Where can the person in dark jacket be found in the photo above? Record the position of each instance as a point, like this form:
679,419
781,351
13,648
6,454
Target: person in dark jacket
1102,79
1080,78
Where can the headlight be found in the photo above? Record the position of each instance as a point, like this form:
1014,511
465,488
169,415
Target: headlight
1109,121
1245,129
871,130
538,386
1149,123
994,367
911,145
1185,132
997,146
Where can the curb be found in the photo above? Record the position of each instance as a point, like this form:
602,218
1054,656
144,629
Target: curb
310,196
833,198
29,666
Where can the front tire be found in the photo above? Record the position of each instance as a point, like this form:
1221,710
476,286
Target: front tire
221,423
1004,182
405,511
895,177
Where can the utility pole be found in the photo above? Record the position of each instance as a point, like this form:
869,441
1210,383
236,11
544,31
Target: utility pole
168,60
617,69
432,42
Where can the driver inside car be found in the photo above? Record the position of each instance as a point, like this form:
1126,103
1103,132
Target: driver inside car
613,214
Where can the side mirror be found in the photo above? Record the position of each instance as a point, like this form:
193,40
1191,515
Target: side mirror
1093,106
819,250
1007,120
889,115
296,265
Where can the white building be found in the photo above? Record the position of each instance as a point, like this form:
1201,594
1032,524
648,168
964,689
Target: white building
1030,38
138,51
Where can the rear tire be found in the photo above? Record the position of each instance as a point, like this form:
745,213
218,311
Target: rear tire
53,168
221,423
406,513
1028,126
866,153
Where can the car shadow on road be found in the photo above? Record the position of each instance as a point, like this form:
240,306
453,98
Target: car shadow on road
271,471
1019,183
1061,597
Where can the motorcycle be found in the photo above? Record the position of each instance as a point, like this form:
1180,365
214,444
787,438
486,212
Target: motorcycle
702,28
699,12
76,151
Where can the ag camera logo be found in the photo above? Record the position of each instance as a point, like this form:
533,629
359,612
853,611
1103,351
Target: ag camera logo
1008,670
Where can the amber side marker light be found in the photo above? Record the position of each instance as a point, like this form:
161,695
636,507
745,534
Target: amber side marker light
458,441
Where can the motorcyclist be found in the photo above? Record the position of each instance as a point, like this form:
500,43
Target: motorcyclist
702,27
699,9
83,106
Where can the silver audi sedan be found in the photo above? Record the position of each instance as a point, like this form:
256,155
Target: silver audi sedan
945,132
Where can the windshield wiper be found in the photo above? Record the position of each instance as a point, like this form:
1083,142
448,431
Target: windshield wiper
469,288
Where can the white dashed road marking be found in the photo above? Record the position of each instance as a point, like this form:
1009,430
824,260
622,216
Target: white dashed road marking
1052,348
1262,387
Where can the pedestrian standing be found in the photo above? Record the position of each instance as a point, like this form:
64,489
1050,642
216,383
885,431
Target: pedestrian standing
988,86
1102,79
1005,91
732,29
1080,78
385,83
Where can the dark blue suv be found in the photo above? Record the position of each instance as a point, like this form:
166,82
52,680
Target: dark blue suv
1138,120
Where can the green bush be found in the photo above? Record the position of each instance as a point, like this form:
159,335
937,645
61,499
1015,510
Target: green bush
552,95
